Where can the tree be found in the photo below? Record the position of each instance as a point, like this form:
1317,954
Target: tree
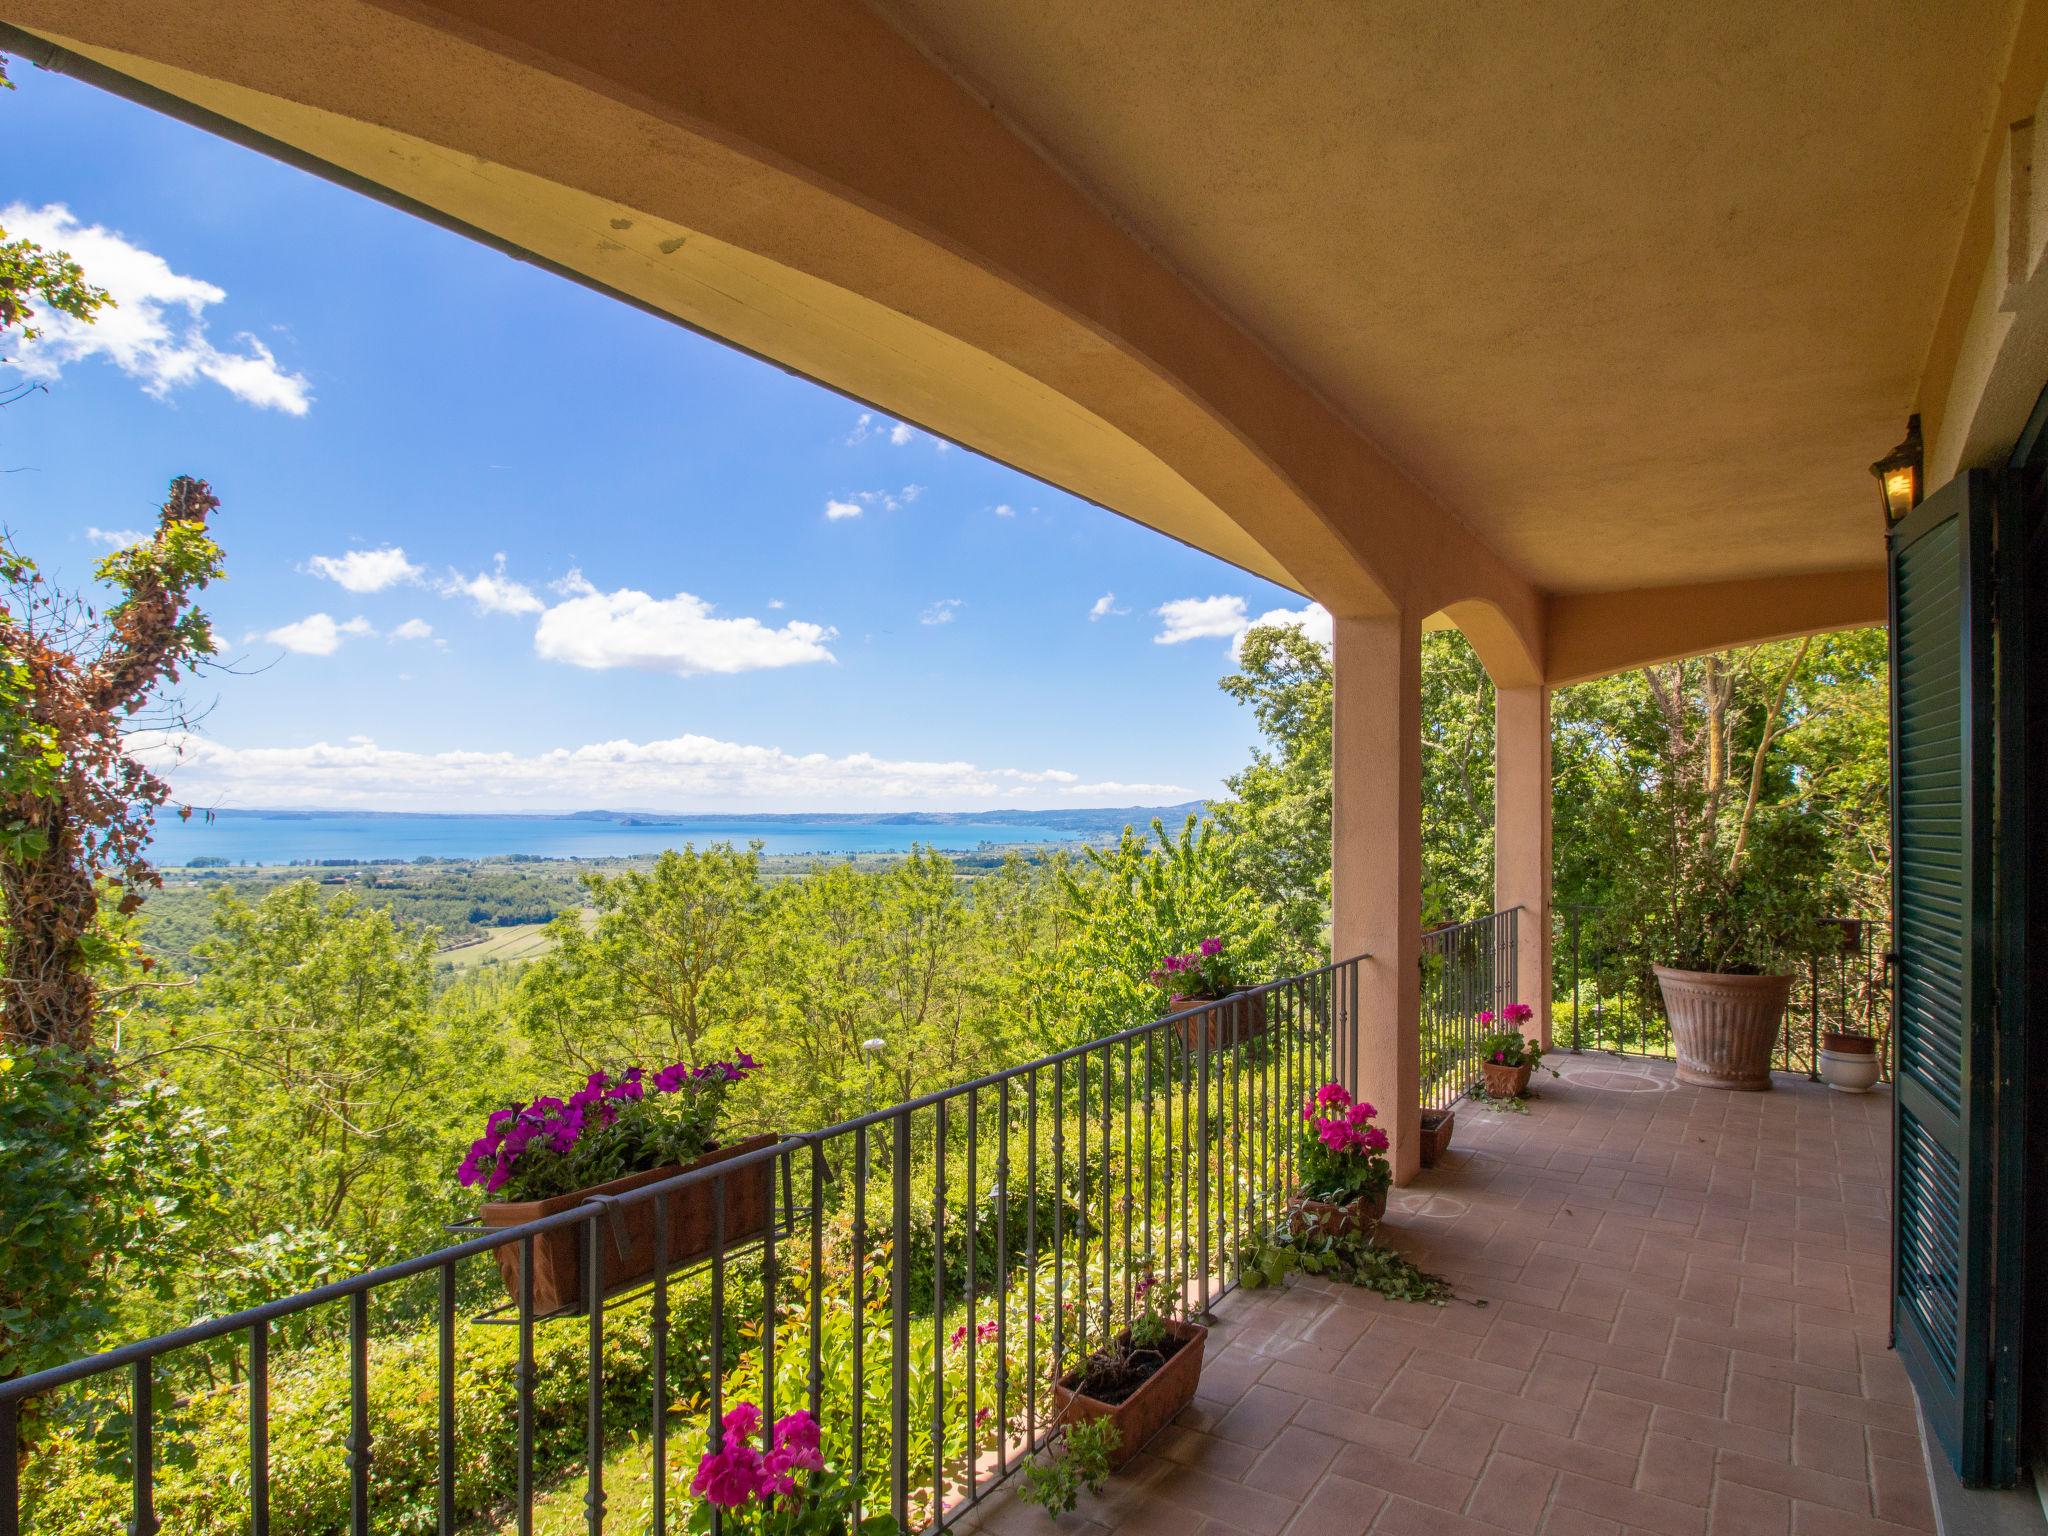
29,272
311,1033
75,803
1279,816
668,956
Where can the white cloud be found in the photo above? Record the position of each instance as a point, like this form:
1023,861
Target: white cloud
1105,608
942,611
493,591
1199,618
603,630
863,501
413,629
365,570
116,538
868,425
1004,509
774,602
155,330
1226,618
681,773
1313,621
317,634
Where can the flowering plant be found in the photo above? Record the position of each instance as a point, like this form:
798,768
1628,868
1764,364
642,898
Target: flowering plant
1343,1154
752,1481
608,1128
1509,1047
1203,973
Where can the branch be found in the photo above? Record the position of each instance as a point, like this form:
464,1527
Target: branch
1756,767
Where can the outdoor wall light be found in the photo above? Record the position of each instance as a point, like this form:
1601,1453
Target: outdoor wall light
1898,474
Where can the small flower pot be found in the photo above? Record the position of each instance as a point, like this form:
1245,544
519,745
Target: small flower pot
1437,1125
1848,1042
1323,1218
1225,1022
1154,1405
1505,1082
628,1230
1849,1071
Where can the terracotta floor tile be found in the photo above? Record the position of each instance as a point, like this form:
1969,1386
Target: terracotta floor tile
1685,1337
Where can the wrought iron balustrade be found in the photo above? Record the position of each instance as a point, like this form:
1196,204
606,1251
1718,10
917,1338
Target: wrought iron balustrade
1606,998
928,1271
1467,969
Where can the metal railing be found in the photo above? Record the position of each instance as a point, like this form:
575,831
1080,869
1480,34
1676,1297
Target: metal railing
1467,969
923,1275
1606,998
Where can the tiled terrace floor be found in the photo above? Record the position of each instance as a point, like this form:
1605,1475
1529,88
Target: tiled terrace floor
1685,1334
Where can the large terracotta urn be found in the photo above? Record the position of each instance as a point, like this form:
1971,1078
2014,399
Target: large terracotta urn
1724,1027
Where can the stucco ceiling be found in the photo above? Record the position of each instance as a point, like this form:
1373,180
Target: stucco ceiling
1638,291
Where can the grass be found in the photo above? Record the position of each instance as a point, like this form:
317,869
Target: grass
503,946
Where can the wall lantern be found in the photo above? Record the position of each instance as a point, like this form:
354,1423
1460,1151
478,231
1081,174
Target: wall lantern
1898,475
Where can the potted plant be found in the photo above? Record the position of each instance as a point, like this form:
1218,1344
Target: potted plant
1848,1061
776,1484
1726,904
1343,1172
1507,1057
1437,1125
1139,1380
613,1135
1205,975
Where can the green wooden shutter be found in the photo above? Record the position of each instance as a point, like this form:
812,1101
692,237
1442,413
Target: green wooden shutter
1942,807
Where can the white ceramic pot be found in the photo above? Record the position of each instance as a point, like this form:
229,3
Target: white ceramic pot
1848,1071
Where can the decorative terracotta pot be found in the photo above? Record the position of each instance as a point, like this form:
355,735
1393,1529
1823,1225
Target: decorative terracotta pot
628,1230
1724,1027
1505,1082
1323,1218
1146,1411
1437,1125
1225,1022
1849,1071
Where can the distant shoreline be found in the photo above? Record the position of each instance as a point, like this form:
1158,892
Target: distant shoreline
238,838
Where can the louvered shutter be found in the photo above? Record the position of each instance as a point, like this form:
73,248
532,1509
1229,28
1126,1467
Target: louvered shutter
1942,807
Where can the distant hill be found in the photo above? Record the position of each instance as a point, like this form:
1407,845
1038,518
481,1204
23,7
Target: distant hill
1081,821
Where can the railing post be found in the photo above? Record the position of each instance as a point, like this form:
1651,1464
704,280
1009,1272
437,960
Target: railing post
1576,917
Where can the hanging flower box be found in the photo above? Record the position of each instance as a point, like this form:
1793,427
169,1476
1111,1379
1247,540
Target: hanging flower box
611,1136
627,1231
1204,976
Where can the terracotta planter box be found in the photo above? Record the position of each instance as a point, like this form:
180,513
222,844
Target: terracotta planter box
1322,1218
1226,1022
1724,1028
629,1242
1437,1125
1146,1411
1505,1082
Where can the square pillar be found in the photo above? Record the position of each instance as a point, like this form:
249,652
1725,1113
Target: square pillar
1521,840
1376,865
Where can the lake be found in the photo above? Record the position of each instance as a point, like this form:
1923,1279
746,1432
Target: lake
244,838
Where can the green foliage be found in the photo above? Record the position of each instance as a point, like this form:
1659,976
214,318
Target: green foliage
1131,905
101,1174
312,1031
1055,1483
1511,1048
1279,815
1349,1257
665,964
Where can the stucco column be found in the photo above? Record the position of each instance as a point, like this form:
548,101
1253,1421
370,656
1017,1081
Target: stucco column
1521,839
1377,864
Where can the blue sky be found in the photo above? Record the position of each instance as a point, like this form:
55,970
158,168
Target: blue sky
496,542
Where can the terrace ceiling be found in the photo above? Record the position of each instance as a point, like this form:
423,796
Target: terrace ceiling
1530,313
